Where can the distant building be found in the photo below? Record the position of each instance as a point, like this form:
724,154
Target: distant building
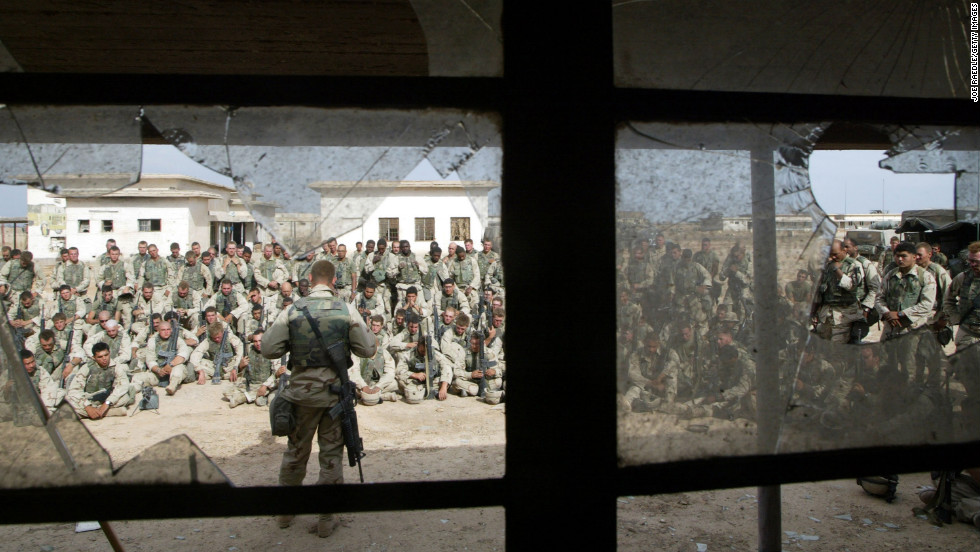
417,211
161,209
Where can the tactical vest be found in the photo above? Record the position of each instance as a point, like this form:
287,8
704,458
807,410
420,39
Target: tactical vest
116,273
936,270
28,313
20,278
73,274
137,262
862,290
69,307
176,262
378,274
260,368
483,261
248,282
831,292
371,303
686,279
463,271
651,367
969,290
99,378
372,368
186,302
333,321
636,272
906,293
147,307
194,278
113,343
50,362
101,305
446,301
162,349
231,271
268,269
411,273
155,272
344,273
462,340
36,380
226,303
304,271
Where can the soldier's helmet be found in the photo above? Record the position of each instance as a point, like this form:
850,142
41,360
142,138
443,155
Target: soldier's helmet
370,398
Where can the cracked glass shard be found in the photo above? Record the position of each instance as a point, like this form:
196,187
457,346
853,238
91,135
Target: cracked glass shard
729,341
307,174
106,143
463,37
844,48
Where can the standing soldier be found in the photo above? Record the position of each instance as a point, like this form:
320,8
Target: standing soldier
329,251
408,273
103,259
140,257
837,304
270,272
799,292
867,292
76,274
908,292
433,273
175,259
197,276
314,371
301,269
466,272
346,274
157,271
18,277
962,307
929,352
231,267
486,258
147,303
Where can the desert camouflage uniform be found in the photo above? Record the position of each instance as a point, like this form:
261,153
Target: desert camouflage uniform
90,378
839,307
156,355
961,308
204,355
312,375
912,295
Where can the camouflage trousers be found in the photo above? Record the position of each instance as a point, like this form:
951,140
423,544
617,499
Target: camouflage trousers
78,400
179,374
312,421
344,294
900,346
208,367
472,386
967,368
834,321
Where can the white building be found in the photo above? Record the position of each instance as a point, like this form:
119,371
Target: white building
160,209
419,211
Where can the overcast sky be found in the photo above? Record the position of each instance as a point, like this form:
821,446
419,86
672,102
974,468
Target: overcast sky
843,181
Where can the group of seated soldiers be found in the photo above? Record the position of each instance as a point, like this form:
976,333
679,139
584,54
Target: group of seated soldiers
167,321
684,345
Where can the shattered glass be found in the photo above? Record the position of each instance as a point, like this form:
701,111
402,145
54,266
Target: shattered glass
717,352
905,49
293,176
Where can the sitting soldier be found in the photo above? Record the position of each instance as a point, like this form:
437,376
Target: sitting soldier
221,348
473,371
165,356
415,382
375,377
100,387
255,369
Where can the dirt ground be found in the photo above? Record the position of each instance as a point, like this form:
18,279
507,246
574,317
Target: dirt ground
457,439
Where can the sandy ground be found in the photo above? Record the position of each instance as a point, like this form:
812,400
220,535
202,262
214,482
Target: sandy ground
450,440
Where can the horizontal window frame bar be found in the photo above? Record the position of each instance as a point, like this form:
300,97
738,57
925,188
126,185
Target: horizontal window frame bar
477,93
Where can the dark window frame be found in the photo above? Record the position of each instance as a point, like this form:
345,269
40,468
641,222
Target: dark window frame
561,466
110,225
84,226
428,229
159,225
386,232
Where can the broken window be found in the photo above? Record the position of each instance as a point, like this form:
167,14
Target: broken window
733,337
841,48
107,226
249,175
83,226
149,225
459,228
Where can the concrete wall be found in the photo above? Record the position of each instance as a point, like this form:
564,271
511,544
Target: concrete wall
45,234
408,203
176,223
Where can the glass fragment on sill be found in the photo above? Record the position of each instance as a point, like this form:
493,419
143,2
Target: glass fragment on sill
688,357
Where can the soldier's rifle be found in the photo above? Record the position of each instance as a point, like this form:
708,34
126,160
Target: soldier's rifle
483,366
67,359
362,306
42,316
220,358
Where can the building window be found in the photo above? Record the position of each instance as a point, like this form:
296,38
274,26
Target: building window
107,226
149,225
388,228
425,229
83,226
459,228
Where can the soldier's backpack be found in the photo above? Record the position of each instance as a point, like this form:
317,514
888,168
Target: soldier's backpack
282,414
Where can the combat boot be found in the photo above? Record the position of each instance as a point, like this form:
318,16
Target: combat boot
326,525
285,521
